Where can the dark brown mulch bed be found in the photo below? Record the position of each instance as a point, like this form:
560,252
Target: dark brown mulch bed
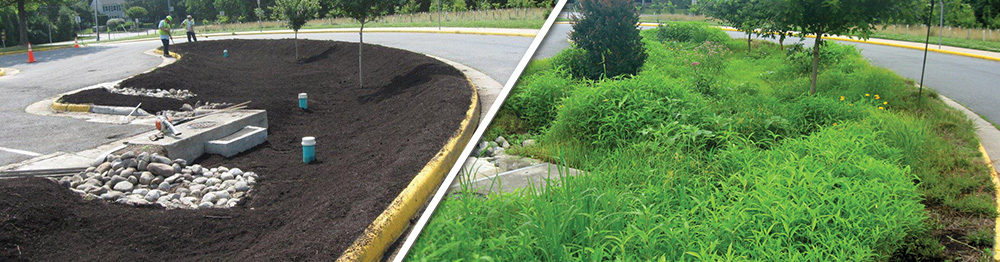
371,142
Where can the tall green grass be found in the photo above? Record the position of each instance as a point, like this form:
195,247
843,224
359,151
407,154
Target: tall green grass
726,159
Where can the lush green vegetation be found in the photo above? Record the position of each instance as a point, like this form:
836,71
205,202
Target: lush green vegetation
710,154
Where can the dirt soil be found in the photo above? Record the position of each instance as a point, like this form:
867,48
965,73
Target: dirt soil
371,142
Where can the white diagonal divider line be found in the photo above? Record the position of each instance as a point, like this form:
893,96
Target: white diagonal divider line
419,226
20,152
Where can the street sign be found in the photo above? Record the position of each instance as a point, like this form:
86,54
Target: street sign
171,9
78,20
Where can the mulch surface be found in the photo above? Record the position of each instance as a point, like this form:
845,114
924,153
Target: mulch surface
371,142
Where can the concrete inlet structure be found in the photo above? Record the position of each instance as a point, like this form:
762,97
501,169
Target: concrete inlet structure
225,133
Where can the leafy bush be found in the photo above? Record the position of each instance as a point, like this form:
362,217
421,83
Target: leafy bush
607,31
690,32
114,23
536,97
611,113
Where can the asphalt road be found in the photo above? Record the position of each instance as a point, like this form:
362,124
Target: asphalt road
24,136
972,82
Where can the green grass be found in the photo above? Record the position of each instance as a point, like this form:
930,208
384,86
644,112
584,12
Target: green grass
728,159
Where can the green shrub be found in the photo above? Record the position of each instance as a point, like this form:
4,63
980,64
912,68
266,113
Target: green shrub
608,33
690,32
613,113
536,97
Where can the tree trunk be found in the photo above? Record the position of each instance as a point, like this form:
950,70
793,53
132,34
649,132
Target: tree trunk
22,20
812,86
295,42
781,42
361,43
748,42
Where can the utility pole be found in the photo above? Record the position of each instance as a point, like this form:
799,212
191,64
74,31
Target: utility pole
927,42
97,24
941,29
439,14
170,8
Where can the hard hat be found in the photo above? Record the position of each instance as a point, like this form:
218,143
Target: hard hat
169,18
189,16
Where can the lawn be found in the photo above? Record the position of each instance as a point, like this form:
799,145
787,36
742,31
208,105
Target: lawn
715,153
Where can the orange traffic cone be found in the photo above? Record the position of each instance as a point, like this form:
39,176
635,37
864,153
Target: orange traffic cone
31,55
76,44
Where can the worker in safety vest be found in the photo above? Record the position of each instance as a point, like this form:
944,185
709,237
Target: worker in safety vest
165,35
189,25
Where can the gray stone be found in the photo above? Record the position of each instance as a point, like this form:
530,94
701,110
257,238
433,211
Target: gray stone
164,186
103,167
128,155
226,176
196,169
205,205
93,182
112,195
143,156
131,162
156,181
133,180
140,191
110,157
528,143
228,183
160,159
115,179
221,202
123,186
117,164
143,165
90,169
236,172
209,197
200,180
172,179
212,181
98,190
127,172
222,194
146,178
242,186
160,169
153,195
98,161
500,140
181,162
183,191
186,107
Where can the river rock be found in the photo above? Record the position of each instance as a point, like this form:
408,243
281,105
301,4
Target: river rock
528,143
226,176
209,197
241,186
123,186
128,155
103,167
160,169
146,177
160,159
164,186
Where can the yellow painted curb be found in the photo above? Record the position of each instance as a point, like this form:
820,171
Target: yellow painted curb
389,225
996,187
172,54
47,48
3,72
61,107
374,30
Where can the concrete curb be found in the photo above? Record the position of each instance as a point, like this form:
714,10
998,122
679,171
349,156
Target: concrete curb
347,30
172,54
391,224
374,30
40,49
64,107
996,188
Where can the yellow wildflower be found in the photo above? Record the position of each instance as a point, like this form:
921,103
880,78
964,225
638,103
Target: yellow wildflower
885,103
877,97
880,108
867,95
834,124
841,98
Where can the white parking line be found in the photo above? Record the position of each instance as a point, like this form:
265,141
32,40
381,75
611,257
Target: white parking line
16,151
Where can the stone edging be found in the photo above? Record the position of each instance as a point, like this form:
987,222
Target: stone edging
391,224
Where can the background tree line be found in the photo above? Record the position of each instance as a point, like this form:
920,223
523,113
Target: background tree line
62,14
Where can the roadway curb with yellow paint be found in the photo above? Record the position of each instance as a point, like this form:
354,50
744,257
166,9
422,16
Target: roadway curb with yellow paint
389,225
864,42
172,54
64,107
3,72
996,187
374,30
